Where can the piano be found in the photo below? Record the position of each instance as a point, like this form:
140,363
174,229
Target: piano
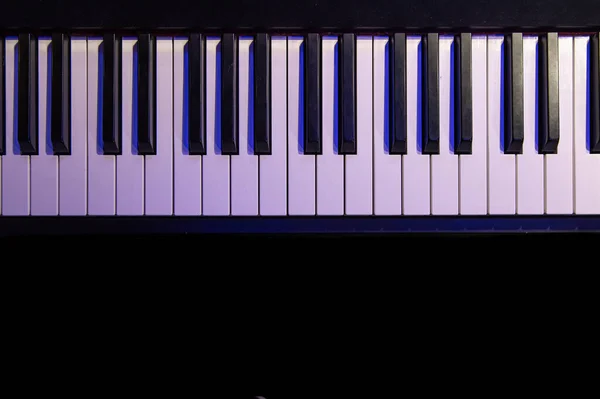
308,116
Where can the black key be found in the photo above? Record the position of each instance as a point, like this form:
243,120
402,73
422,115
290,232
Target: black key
594,88
463,106
112,87
61,95
397,94
513,93
347,94
146,95
229,95
262,94
548,118
27,133
430,131
2,100
196,95
312,94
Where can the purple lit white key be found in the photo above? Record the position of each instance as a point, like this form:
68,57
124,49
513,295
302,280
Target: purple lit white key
159,167
387,168
44,167
130,165
473,167
444,166
559,167
244,167
73,168
301,168
188,168
215,166
273,168
101,168
359,167
330,165
15,167
501,167
416,166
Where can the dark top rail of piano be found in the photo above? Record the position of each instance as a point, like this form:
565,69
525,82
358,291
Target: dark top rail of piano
304,15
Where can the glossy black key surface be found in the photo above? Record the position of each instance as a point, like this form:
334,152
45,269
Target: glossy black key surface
594,139
463,106
430,90
112,86
548,105
196,53
397,93
347,94
229,94
262,94
60,130
27,124
513,93
146,95
313,136
2,100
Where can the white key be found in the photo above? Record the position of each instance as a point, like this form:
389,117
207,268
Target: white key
15,167
530,164
244,167
387,168
501,167
130,165
101,169
44,166
444,166
587,166
159,167
416,166
301,168
473,167
73,168
559,167
330,165
359,167
215,167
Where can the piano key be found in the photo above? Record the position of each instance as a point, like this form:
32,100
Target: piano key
15,167
444,165
159,167
273,168
2,103
594,135
101,168
463,104
61,94
559,166
146,95
397,93
301,164
473,166
530,164
359,166
215,164
416,180
111,94
244,166
262,94
548,108
587,164
347,93
229,97
513,93
387,167
501,166
130,165
196,94
430,94
44,167
313,135
27,108
330,165
187,162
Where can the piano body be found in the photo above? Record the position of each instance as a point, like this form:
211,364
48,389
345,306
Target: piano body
310,116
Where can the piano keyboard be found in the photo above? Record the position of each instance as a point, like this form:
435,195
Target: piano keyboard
275,125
